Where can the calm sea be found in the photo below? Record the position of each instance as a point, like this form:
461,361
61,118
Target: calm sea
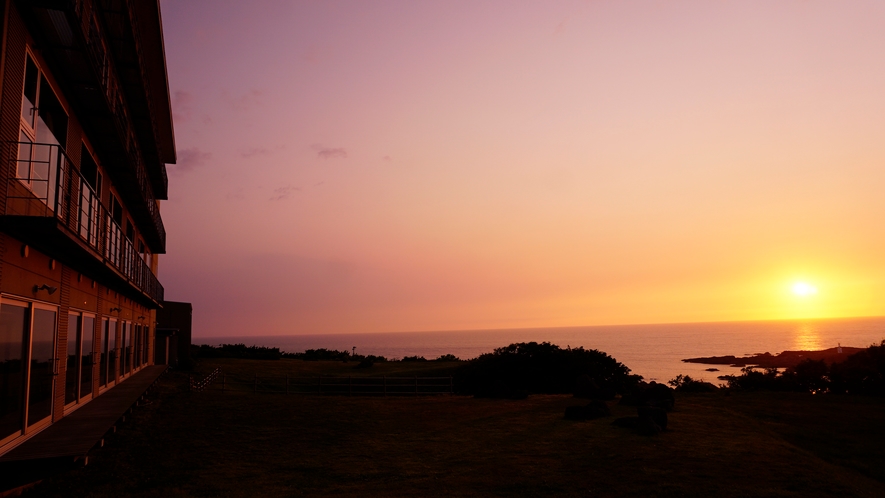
653,351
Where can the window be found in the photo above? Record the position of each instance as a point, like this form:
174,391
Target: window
90,192
42,136
81,358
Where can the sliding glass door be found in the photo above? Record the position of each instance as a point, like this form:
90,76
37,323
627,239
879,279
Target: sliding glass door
28,366
108,343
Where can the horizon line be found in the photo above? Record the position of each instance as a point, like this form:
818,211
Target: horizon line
551,327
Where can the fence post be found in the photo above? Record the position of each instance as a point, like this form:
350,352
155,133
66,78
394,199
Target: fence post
416,385
222,382
190,382
255,389
349,385
385,384
319,384
451,387
287,384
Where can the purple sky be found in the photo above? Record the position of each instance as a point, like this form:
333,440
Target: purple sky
385,166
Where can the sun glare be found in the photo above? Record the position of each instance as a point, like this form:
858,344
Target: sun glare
804,289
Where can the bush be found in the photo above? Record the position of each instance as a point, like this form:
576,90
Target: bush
236,351
684,383
534,368
321,354
808,376
860,373
414,358
448,357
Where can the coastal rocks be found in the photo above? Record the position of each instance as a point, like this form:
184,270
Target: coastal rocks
594,409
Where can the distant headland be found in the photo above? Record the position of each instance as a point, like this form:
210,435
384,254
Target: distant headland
786,359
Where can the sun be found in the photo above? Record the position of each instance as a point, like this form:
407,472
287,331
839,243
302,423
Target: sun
804,289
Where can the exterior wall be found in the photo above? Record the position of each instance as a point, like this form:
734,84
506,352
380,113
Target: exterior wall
175,315
19,273
24,267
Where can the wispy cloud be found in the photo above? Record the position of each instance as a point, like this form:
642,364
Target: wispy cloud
255,151
235,195
387,158
283,193
330,152
561,27
191,159
248,100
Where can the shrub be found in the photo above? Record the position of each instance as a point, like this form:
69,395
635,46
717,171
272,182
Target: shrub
414,358
448,357
236,351
861,373
684,383
321,354
534,368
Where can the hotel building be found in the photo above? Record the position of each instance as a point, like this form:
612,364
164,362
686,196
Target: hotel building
85,133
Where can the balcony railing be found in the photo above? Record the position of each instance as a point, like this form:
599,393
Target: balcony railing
47,185
99,53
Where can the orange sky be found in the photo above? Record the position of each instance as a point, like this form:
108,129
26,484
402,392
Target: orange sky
387,166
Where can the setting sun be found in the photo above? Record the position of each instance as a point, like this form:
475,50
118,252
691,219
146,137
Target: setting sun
804,289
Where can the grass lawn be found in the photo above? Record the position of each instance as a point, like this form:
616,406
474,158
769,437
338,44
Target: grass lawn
243,444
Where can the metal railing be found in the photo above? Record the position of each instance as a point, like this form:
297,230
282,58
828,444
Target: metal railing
200,385
47,185
99,53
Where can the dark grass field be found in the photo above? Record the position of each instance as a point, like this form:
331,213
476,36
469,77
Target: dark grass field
243,444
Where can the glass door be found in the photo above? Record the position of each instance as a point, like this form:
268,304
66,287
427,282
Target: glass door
13,332
112,350
108,341
87,357
41,374
137,347
125,346
27,366
72,372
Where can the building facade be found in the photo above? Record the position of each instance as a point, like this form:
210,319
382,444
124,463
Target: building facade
85,133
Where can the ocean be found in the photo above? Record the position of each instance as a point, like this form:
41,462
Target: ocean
653,351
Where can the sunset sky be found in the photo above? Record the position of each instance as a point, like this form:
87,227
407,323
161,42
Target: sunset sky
374,166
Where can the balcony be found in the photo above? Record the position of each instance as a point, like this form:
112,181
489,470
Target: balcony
73,39
50,206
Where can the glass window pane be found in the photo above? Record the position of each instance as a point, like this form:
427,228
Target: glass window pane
87,356
103,349
112,350
13,323
29,100
42,376
72,377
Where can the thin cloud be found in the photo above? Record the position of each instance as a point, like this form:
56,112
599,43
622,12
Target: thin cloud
235,195
283,193
248,100
255,151
561,27
387,158
191,159
330,152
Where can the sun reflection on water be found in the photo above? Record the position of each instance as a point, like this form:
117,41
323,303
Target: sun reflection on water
806,338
